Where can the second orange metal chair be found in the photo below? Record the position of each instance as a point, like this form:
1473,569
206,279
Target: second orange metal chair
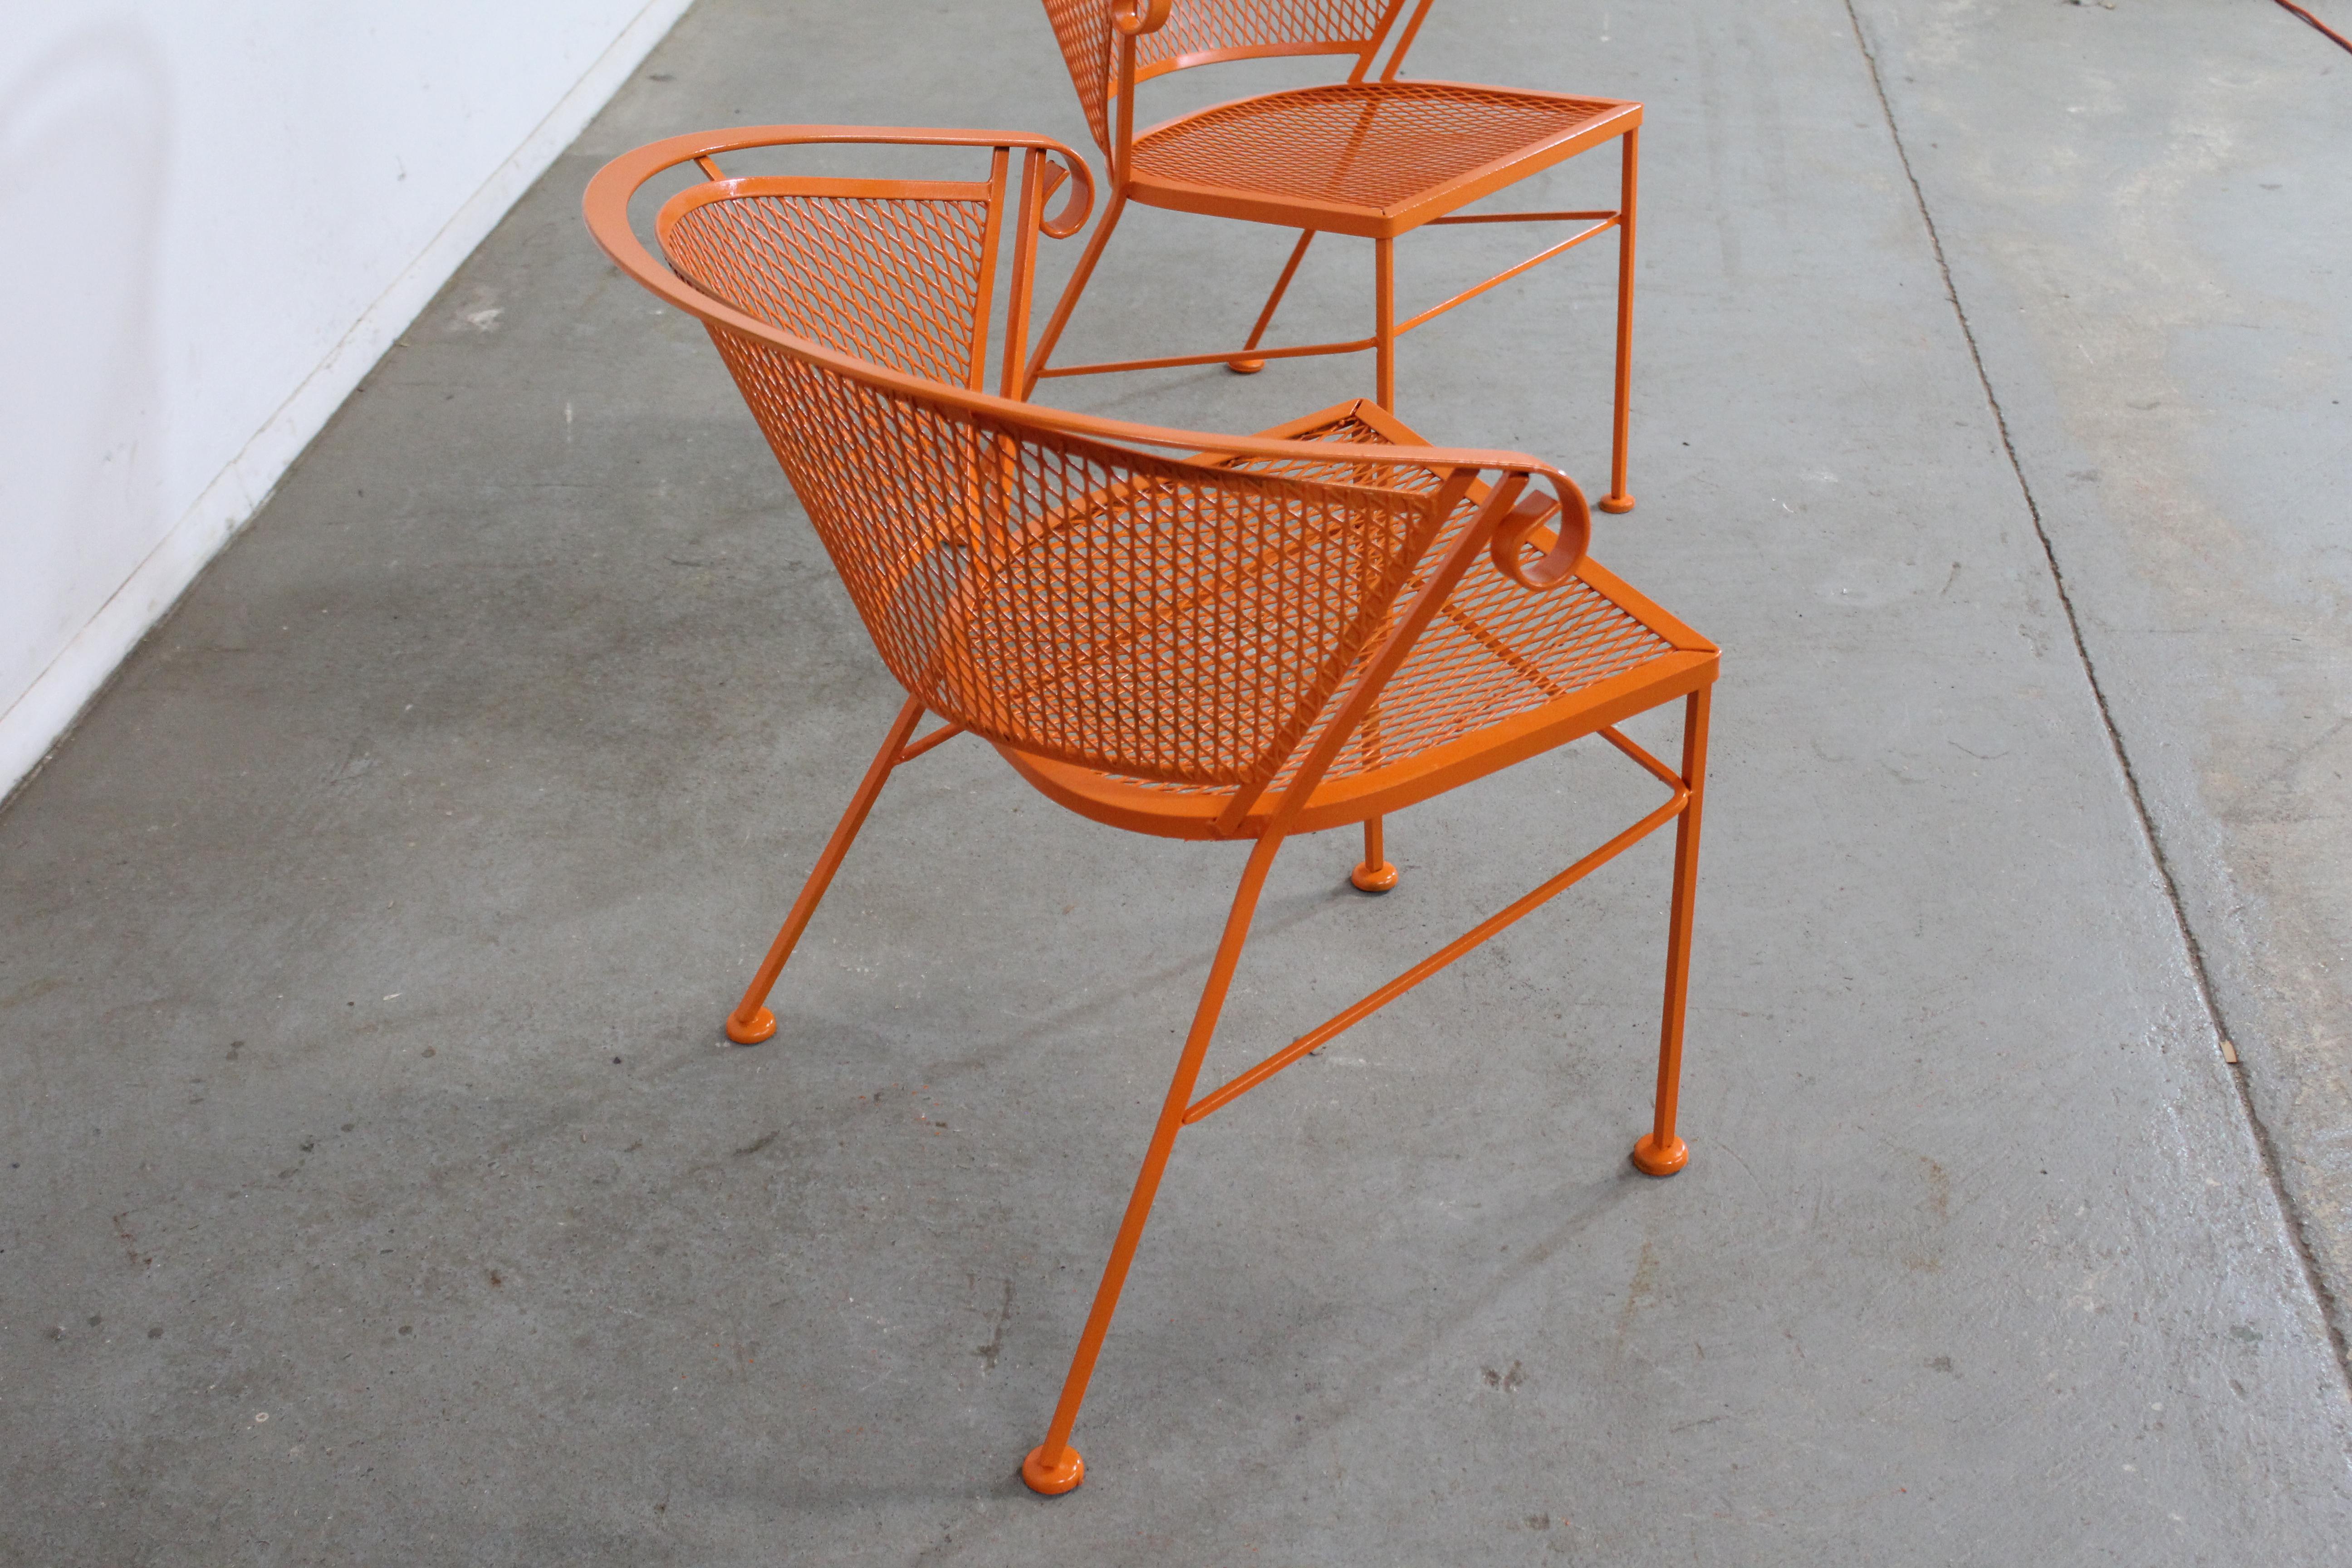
1197,636
1373,158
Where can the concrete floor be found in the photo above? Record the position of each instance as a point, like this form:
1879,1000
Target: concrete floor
376,1190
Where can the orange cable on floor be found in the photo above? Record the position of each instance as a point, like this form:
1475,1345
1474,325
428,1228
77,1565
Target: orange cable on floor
2341,41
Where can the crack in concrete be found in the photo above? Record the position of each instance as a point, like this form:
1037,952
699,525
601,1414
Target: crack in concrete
2331,1312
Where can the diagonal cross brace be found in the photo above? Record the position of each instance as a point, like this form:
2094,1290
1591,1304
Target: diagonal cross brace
1323,1033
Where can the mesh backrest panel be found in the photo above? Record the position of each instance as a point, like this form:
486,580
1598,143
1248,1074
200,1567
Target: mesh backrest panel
1197,27
1081,601
1084,29
891,280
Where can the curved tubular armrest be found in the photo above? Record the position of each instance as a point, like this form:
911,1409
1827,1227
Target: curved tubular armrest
633,169
1558,564
1136,18
605,206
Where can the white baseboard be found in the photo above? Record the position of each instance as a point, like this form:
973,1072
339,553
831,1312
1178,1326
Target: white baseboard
36,722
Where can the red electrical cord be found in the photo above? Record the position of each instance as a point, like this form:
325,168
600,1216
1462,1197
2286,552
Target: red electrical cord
2341,40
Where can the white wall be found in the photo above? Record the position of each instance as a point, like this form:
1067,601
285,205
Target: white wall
214,216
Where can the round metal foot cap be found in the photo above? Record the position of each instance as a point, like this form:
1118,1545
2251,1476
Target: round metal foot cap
1367,880
1652,1161
1246,366
1615,503
762,1027
1063,1477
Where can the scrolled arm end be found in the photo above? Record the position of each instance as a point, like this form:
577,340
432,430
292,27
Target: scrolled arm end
1138,17
1564,509
1064,164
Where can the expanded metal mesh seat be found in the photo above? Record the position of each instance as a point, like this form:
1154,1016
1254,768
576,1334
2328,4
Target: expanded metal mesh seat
1194,636
1374,159
1370,158
1496,661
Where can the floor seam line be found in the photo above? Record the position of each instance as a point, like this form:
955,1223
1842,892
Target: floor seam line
2265,1146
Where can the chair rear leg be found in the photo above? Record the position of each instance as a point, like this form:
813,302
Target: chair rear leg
1054,1466
1385,323
1619,498
1661,1153
752,1023
1265,316
1374,875
1070,292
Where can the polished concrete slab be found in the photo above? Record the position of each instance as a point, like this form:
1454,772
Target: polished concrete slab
2155,266
378,1190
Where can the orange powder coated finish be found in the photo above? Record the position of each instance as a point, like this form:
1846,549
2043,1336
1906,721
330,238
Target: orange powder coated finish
1189,634
1369,158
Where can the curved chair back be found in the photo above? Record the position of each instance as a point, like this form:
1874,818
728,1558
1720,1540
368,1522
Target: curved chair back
1076,600
1031,577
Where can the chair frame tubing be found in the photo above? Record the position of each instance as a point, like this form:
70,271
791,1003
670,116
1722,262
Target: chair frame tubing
752,1022
1510,518
1055,1467
1136,20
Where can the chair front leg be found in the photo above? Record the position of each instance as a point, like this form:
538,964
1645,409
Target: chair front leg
1054,1466
1620,499
1661,1153
752,1023
1385,323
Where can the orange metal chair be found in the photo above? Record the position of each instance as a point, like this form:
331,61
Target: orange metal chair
1257,638
1373,158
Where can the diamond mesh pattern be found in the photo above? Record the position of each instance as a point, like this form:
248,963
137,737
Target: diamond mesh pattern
1084,29
1181,624
1199,26
1371,145
1152,618
892,280
1494,651
1346,430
